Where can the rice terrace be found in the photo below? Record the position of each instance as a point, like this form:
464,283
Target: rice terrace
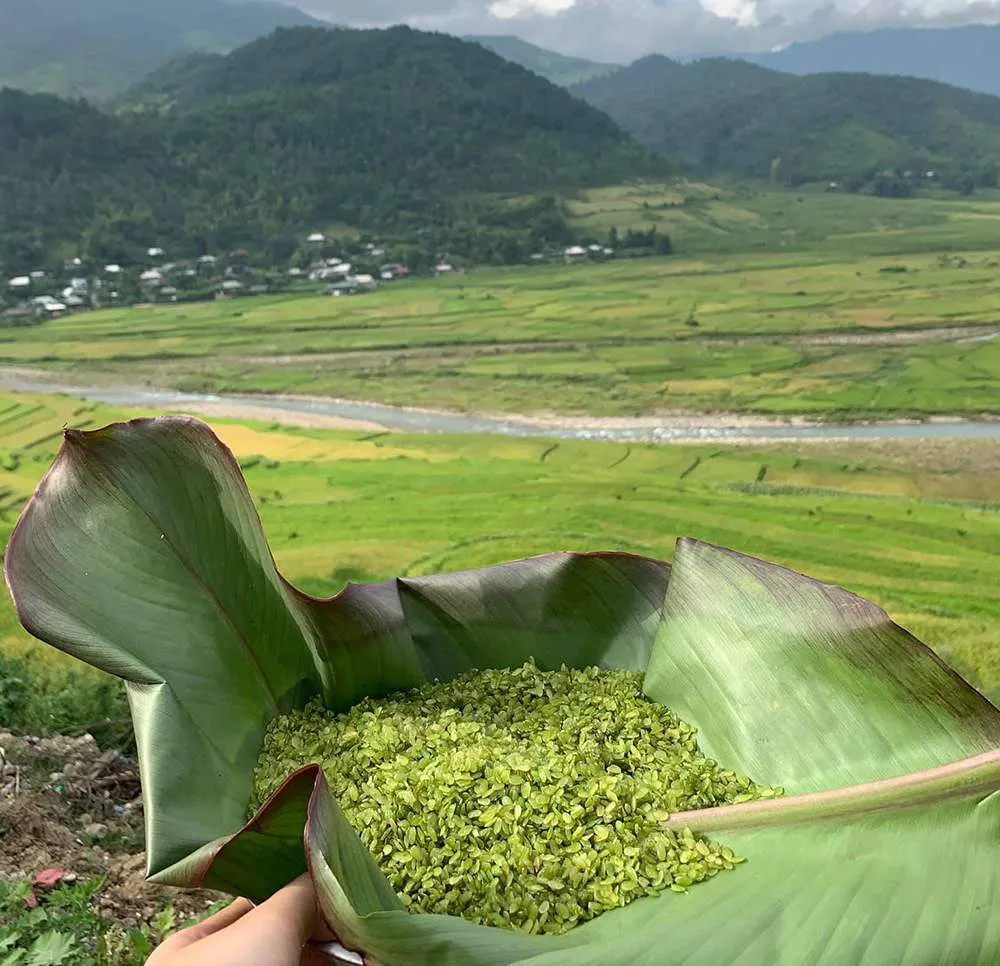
495,499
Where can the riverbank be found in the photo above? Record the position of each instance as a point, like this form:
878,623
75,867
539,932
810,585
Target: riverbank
330,413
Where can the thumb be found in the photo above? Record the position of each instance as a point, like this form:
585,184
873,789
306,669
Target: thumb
271,934
208,927
289,917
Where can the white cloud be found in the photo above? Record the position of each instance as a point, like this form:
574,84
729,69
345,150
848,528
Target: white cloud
742,12
511,9
622,30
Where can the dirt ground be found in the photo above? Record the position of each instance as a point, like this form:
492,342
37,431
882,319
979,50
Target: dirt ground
71,810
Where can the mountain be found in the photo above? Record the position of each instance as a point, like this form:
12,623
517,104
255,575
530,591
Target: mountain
962,56
395,131
558,68
720,116
97,48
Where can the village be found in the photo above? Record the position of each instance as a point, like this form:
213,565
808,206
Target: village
77,286
362,267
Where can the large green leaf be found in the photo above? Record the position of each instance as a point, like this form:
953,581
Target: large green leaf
141,553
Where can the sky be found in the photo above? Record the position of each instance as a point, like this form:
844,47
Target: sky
622,30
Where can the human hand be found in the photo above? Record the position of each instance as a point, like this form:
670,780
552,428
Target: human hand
274,933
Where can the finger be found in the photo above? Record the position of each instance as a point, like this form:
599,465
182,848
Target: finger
213,924
221,920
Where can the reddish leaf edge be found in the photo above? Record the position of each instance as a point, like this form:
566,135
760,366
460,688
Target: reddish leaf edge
192,872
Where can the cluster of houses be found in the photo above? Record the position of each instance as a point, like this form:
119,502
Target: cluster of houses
54,293
50,294
344,277
40,294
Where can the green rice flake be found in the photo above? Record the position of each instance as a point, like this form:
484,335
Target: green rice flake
524,799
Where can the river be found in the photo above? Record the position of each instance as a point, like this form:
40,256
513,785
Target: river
377,416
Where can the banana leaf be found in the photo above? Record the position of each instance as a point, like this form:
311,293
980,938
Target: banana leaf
142,554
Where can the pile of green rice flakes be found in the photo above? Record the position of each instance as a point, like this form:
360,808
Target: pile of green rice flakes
518,798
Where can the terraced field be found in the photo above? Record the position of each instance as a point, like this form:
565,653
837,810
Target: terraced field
914,527
740,218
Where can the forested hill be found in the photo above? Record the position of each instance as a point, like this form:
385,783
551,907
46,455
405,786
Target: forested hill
382,130
355,61
719,116
97,48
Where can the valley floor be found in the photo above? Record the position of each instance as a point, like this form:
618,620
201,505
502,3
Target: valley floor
749,342
827,338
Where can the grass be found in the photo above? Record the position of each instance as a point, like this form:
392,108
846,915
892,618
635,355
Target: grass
67,930
915,528
819,325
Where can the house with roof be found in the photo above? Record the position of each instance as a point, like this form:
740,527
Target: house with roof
394,270
47,305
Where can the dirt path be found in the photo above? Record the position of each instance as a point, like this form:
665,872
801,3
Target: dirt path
980,331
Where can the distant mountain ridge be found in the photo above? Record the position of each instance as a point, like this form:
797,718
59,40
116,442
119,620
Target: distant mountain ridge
722,116
98,48
963,56
558,68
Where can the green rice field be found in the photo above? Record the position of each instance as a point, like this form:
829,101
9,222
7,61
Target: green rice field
914,527
831,337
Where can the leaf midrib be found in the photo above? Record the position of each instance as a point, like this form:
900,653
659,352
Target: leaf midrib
979,774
